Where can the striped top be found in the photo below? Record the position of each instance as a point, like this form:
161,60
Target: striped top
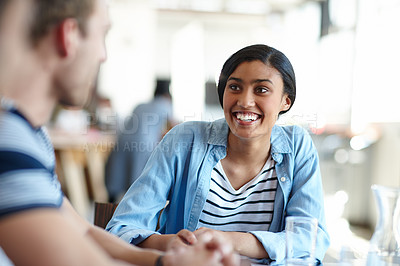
250,208
27,165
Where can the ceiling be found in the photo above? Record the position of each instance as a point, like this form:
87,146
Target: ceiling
231,6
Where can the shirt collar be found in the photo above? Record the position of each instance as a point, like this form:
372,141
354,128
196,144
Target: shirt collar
279,140
8,105
219,132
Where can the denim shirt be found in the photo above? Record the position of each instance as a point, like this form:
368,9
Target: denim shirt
179,171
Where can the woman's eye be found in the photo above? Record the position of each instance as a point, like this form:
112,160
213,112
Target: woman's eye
261,90
233,87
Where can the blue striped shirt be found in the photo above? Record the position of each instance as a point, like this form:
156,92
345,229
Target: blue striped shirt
27,165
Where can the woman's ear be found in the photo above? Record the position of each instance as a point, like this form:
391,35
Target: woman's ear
286,103
67,37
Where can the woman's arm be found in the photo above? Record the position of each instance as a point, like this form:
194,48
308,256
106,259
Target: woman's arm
245,244
136,217
307,195
170,241
302,193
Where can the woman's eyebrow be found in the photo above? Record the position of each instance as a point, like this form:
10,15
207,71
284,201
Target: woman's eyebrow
262,80
254,81
235,79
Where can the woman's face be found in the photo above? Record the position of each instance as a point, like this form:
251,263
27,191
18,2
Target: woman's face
252,100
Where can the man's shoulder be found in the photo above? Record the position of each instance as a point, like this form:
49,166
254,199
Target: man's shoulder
27,179
15,133
21,143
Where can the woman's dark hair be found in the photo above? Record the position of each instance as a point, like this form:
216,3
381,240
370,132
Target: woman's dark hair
269,56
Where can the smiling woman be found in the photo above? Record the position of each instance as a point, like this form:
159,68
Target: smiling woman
237,178
253,92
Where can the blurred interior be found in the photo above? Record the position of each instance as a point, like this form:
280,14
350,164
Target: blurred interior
345,55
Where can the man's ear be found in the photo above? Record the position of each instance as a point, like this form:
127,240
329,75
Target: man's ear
67,37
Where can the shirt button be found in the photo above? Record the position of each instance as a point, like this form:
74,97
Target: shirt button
283,179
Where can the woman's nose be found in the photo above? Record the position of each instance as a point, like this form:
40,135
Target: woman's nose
246,99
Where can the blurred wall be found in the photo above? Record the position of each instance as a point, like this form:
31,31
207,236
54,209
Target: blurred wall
128,75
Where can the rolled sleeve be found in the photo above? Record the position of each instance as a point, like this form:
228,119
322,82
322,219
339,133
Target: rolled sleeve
135,237
274,244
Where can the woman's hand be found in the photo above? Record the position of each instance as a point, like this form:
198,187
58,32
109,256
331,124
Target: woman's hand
216,235
217,240
182,239
245,244
208,249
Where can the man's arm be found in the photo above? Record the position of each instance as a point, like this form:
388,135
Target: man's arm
121,250
61,237
45,237
111,245
50,236
184,247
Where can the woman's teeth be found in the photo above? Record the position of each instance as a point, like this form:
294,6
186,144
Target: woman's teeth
246,117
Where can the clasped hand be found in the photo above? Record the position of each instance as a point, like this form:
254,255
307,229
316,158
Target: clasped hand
211,247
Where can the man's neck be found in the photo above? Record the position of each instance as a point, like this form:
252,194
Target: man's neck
32,96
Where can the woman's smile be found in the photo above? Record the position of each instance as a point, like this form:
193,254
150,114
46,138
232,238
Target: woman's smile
245,117
253,99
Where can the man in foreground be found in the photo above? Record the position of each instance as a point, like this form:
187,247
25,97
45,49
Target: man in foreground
50,52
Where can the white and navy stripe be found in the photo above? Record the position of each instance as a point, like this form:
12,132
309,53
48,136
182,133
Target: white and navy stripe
27,166
250,208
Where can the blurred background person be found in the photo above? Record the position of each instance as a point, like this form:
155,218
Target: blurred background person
137,137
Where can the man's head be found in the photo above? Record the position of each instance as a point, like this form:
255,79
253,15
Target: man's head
81,48
78,28
64,45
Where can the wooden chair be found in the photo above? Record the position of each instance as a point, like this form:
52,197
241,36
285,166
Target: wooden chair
103,213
